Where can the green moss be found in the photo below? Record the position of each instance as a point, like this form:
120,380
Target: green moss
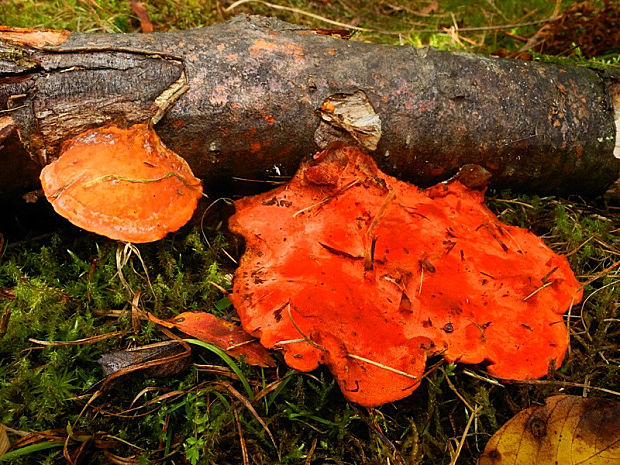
105,15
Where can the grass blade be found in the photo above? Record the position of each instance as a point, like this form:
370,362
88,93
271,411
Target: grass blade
228,360
31,449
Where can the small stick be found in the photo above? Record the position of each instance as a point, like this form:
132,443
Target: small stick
308,460
482,378
464,436
537,290
244,449
601,273
87,340
306,338
118,177
247,404
380,365
328,198
563,384
570,309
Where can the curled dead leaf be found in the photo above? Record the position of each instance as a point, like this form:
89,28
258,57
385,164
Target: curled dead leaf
143,16
5,444
223,334
155,360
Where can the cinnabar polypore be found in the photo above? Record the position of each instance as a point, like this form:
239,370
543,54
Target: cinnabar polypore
349,267
122,183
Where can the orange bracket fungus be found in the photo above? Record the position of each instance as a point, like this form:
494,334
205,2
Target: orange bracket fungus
348,267
122,183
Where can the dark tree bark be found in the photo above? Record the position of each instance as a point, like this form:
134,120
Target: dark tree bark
253,96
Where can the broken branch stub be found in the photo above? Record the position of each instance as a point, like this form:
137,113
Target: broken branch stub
348,267
352,114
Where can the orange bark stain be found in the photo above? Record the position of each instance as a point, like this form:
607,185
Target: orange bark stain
270,119
219,96
579,151
328,106
255,147
262,47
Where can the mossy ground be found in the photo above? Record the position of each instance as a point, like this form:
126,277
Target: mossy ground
60,284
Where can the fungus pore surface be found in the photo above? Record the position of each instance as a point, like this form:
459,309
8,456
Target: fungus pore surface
349,267
122,183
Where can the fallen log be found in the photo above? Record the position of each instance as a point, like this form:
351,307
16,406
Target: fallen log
252,97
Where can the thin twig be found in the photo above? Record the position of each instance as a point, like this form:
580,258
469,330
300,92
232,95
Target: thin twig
262,181
473,412
370,238
382,366
301,12
482,378
536,291
12,109
568,316
227,201
601,273
289,341
244,448
516,202
247,404
308,460
306,338
118,177
576,249
372,425
271,387
88,340
328,198
563,384
464,436
455,390
219,288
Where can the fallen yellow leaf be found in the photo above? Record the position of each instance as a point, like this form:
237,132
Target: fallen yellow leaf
567,430
5,444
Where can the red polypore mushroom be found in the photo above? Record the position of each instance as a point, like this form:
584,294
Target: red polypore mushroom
122,183
351,268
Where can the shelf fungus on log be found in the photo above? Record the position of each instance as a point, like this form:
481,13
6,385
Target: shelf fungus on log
122,183
349,267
